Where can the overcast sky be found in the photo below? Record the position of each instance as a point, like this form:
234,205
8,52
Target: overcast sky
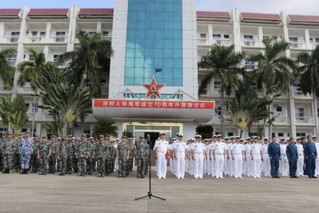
261,6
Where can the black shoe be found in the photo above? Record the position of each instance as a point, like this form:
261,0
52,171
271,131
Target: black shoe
295,177
8,171
314,177
3,171
22,172
277,177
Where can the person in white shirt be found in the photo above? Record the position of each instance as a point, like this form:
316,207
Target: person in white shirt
283,164
161,152
219,157
211,157
179,148
255,153
198,155
248,161
265,158
301,159
317,159
237,152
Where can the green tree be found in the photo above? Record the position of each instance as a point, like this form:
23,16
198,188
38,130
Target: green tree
6,70
13,113
88,60
105,127
309,79
221,63
205,130
275,72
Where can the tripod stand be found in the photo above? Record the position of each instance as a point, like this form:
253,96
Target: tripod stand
149,193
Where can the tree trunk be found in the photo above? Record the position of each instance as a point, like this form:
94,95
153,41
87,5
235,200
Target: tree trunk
222,99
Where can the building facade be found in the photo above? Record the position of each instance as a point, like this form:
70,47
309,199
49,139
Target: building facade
165,40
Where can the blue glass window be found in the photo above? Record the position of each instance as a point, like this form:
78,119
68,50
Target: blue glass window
154,42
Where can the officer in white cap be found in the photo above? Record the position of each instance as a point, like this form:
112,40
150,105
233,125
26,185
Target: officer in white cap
219,157
161,154
198,155
265,158
237,152
283,163
255,154
179,155
301,159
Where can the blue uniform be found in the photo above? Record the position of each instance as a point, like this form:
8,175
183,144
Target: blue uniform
292,155
274,154
310,155
26,148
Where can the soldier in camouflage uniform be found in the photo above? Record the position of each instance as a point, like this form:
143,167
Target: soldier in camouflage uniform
25,150
91,158
7,153
122,156
108,156
43,155
129,163
82,153
16,155
74,159
62,156
1,142
34,163
70,152
52,159
142,151
100,155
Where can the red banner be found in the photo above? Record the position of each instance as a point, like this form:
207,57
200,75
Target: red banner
154,104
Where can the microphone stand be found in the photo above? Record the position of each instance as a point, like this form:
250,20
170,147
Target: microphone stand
149,193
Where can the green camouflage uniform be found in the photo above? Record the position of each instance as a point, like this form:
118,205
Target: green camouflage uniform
123,151
142,151
129,163
34,163
70,155
1,165
91,160
62,156
7,154
44,149
16,155
82,153
100,155
109,157
54,146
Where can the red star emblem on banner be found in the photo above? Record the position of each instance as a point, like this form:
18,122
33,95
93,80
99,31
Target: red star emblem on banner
153,88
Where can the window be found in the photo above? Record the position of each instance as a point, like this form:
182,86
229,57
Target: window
249,64
293,39
55,58
34,108
278,109
205,90
218,111
217,36
318,112
14,36
248,37
34,33
301,134
300,113
297,89
226,36
230,134
253,134
105,33
203,36
60,36
217,86
280,134
249,40
87,132
12,59
293,42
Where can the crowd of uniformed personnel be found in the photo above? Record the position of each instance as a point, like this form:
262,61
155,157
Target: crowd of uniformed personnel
216,157
67,155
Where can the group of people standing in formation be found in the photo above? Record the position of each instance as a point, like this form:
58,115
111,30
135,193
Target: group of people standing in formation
215,157
66,155
236,157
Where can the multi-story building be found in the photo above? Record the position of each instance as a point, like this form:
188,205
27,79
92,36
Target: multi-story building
168,44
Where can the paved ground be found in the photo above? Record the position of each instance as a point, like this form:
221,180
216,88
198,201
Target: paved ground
52,193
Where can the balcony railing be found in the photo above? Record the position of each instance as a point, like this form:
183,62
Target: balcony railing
12,39
297,45
304,120
35,39
250,42
202,41
223,42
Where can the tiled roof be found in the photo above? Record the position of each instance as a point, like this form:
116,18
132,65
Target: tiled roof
96,11
9,12
48,12
303,19
213,15
260,17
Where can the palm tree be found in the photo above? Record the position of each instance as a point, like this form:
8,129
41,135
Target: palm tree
275,72
88,60
13,113
309,79
68,100
222,63
6,70
246,108
105,127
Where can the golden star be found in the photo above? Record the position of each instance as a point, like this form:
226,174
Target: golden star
153,88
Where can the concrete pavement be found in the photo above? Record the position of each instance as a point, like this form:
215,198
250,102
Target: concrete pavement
52,193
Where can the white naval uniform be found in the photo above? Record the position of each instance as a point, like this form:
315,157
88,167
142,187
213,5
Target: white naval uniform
161,147
283,164
237,152
171,159
301,159
219,152
212,163
256,160
180,149
266,160
198,149
248,162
